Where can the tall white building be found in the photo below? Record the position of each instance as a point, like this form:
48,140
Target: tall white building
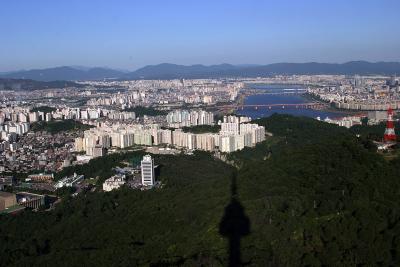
49,117
205,142
33,117
257,132
22,117
227,144
181,118
147,167
230,128
235,119
126,140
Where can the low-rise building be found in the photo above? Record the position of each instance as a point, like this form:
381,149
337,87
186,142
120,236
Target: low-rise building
7,200
69,181
30,200
113,182
41,177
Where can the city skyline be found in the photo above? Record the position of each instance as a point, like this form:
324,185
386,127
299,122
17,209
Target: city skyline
129,35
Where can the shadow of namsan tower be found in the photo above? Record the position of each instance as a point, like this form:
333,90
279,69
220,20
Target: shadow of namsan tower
234,225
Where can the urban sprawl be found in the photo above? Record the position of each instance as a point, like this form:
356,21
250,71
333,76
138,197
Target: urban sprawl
44,131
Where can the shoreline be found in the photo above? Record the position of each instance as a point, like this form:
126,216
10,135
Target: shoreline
329,108
333,109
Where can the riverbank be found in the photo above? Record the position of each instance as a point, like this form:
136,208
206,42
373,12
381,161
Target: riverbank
286,104
332,108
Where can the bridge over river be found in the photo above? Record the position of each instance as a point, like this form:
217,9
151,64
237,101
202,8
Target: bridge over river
310,105
249,92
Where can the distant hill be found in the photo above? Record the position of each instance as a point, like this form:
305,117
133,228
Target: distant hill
65,73
174,71
348,68
22,84
170,71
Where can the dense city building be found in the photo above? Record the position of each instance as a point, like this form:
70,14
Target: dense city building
185,118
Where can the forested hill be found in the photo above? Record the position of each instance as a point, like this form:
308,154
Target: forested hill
26,84
312,195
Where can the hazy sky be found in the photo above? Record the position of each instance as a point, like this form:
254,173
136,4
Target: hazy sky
131,34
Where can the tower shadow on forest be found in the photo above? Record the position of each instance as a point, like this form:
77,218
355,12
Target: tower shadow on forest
234,226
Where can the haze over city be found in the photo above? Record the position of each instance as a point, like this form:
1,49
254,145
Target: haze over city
131,34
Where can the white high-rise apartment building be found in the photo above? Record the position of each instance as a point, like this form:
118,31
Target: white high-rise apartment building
227,143
126,140
147,167
239,142
236,119
231,119
180,118
17,127
49,117
205,142
182,139
84,115
229,128
143,138
80,144
33,117
93,113
166,137
22,117
257,132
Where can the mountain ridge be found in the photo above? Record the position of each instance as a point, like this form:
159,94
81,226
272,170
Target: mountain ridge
227,70
176,71
65,73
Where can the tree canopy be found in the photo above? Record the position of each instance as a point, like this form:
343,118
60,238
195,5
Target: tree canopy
140,111
45,109
59,126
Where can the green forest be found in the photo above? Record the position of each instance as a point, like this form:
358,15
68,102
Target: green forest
313,194
45,109
54,127
198,129
141,111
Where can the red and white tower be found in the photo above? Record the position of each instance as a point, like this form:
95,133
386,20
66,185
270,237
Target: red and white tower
390,135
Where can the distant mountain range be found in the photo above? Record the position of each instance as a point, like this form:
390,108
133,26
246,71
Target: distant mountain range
170,71
26,84
173,71
65,73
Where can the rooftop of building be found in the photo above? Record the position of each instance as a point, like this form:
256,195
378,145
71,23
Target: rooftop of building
28,194
6,194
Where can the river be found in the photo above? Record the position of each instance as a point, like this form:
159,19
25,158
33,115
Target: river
279,98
